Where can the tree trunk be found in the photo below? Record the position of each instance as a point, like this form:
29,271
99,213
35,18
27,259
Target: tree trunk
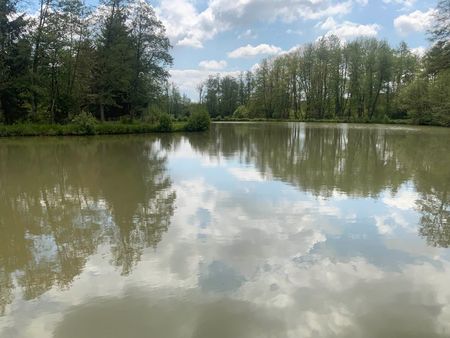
102,112
2,112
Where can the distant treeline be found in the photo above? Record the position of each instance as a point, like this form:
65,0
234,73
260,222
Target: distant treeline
362,80
110,60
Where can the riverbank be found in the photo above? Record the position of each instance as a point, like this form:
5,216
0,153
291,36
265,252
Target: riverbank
359,121
118,128
107,128
86,124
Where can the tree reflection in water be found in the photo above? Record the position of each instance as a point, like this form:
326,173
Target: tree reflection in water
434,222
358,161
60,200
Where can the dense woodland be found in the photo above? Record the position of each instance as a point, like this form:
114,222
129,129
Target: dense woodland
361,80
110,61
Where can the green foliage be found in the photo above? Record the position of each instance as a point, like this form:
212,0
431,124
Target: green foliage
174,103
427,101
85,123
106,128
126,119
439,97
165,123
241,112
60,64
199,120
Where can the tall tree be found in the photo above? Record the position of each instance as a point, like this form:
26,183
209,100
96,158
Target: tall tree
151,56
114,64
14,61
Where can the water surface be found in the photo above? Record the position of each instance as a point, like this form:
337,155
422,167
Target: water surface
249,230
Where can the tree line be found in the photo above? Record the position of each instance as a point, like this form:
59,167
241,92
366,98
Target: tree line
362,80
111,60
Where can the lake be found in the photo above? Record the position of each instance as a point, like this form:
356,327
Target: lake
248,230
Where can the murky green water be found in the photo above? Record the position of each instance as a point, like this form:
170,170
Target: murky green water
250,230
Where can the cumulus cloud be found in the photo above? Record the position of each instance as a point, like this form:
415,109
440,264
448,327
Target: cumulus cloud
329,23
187,26
251,51
212,64
403,3
416,21
184,24
348,29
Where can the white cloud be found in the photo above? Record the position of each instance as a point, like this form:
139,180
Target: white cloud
419,51
416,21
404,200
254,68
212,64
329,23
247,174
403,3
348,29
187,26
248,34
251,51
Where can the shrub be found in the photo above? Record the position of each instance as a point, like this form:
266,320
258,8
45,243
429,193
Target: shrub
151,115
126,119
165,123
85,123
198,121
241,112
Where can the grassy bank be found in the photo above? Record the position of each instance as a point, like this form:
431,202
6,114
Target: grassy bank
107,128
86,124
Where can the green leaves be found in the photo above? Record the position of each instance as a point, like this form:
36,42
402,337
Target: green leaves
113,61
199,120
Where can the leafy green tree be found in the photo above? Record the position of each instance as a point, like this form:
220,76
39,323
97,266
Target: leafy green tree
113,69
151,57
14,61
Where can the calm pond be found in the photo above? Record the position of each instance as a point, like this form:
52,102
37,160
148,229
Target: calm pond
248,230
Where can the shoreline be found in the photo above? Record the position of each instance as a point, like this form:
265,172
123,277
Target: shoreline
405,122
115,128
106,128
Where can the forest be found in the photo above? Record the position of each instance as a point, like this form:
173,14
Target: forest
362,80
111,62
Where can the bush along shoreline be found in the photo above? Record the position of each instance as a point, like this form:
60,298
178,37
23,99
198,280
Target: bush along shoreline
86,124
